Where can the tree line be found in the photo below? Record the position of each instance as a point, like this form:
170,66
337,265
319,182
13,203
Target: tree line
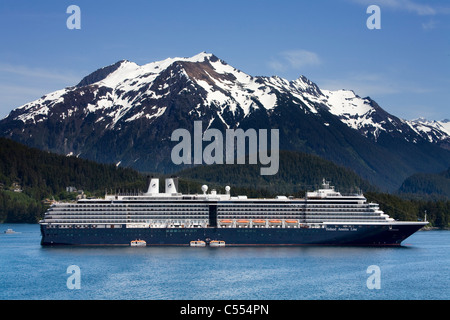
28,176
38,175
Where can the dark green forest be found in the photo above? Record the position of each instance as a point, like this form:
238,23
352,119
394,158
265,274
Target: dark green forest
29,176
435,186
40,175
297,172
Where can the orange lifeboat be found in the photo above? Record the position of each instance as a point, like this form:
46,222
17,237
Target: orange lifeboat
291,223
226,221
217,243
243,221
138,243
198,243
275,221
259,221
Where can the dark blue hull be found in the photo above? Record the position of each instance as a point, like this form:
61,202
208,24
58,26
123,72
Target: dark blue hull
364,235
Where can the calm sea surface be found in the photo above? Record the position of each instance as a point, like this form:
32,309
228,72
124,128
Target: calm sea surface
418,270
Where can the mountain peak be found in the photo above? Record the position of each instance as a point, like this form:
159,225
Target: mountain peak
202,56
102,73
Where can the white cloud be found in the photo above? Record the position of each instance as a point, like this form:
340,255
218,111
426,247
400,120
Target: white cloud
429,25
294,59
41,73
403,5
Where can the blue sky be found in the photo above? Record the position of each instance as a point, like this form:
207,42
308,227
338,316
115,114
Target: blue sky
404,66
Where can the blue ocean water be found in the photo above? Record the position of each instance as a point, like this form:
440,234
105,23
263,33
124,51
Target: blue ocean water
419,270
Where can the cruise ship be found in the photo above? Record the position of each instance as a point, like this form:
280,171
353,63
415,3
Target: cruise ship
169,218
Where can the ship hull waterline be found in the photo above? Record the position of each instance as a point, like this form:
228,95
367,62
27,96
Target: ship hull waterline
330,235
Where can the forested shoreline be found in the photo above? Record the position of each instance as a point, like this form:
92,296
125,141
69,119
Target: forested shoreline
30,179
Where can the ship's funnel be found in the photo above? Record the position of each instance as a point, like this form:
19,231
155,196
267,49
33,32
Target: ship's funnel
171,185
153,187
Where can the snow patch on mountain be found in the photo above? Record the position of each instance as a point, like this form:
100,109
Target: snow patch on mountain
354,111
41,107
346,102
234,88
432,130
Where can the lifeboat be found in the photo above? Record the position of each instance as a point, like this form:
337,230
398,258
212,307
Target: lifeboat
259,222
138,243
275,222
242,223
225,223
197,243
217,243
291,223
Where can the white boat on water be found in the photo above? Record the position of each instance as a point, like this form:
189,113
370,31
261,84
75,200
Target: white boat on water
138,243
197,243
217,243
9,231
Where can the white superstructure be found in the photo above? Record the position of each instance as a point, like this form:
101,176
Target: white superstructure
171,209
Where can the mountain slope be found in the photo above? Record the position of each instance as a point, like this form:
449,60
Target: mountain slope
126,113
298,172
436,185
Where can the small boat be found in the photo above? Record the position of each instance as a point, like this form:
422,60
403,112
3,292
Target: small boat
197,243
217,243
259,222
9,231
226,223
291,223
138,243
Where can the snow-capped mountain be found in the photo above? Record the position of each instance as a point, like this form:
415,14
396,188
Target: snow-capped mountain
366,116
126,113
433,131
